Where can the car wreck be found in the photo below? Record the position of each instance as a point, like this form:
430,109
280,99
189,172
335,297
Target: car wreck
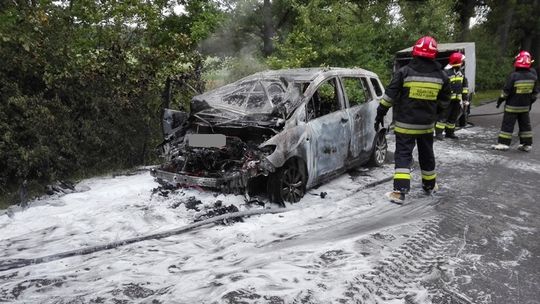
279,131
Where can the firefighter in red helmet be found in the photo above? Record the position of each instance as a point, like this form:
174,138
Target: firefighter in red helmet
519,93
418,93
459,97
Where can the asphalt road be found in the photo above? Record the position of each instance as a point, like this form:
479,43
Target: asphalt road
494,122
495,213
475,241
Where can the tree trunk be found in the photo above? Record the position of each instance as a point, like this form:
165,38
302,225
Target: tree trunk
465,10
535,40
526,42
268,29
504,29
535,52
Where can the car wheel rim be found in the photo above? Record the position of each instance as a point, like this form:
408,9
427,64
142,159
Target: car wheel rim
380,149
292,185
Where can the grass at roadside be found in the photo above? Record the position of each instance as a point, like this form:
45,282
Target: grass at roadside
13,195
5,202
485,96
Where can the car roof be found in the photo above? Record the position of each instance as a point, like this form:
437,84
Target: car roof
309,74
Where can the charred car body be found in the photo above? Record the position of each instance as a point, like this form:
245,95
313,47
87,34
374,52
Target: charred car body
283,130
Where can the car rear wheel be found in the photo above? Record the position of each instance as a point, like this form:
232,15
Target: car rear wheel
380,149
288,183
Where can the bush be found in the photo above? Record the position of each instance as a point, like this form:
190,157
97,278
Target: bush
81,97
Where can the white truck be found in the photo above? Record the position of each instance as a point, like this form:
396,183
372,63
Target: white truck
445,49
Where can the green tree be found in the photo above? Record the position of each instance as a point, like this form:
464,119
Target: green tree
358,33
81,81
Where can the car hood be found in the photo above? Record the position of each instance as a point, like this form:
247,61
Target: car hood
249,97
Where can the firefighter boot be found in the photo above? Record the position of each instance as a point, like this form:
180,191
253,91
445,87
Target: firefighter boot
500,147
450,134
396,197
429,191
525,148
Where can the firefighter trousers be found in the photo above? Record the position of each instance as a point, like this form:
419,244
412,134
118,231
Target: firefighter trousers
447,119
524,124
403,161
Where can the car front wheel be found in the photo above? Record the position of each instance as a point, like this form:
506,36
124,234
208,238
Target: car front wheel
288,183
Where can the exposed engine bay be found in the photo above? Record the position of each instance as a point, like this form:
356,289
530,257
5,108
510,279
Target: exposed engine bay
218,144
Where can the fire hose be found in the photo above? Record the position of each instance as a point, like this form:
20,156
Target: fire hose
19,263
487,114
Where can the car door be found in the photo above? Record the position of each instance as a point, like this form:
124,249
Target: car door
358,97
329,129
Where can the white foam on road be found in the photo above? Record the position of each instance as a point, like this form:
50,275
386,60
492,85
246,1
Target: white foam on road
312,251
316,243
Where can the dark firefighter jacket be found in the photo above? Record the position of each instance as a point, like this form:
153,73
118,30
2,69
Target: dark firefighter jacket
459,85
418,92
520,90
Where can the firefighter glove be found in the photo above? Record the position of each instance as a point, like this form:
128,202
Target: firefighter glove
499,102
379,121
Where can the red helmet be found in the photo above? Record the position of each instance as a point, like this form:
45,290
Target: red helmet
456,59
425,47
523,60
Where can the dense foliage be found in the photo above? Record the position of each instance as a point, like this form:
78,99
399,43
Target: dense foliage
81,81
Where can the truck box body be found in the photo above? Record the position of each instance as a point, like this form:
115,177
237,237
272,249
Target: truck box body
445,50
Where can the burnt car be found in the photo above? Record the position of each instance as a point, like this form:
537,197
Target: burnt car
282,131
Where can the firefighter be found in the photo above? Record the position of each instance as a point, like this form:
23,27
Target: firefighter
418,92
519,92
459,97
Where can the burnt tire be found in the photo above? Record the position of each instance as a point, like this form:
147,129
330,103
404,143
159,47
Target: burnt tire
380,150
288,183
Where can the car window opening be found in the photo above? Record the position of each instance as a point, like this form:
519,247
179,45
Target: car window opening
376,86
355,91
324,101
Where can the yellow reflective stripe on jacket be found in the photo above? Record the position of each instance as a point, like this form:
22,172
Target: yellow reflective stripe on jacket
524,87
422,84
423,90
456,96
412,131
405,125
385,103
524,84
456,79
465,91
516,109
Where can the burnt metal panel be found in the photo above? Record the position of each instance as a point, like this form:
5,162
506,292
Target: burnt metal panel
237,179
